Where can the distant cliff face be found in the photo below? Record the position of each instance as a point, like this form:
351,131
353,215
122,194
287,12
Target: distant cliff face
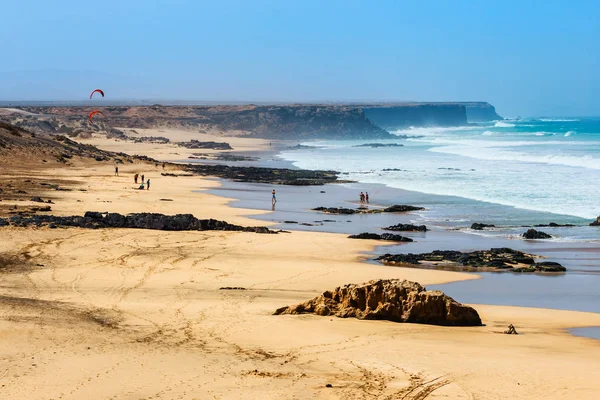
293,122
298,122
480,111
393,117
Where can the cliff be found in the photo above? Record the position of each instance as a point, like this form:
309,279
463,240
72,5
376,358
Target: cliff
480,111
293,122
399,116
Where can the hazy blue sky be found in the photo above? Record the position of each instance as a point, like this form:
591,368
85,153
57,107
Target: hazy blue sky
525,57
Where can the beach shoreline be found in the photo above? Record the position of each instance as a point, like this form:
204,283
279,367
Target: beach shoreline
116,311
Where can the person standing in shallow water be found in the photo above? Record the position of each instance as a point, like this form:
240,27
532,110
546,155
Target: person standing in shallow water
362,197
116,171
274,199
367,197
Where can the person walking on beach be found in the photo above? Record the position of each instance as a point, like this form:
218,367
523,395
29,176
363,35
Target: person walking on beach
148,184
274,199
367,197
142,178
135,177
116,171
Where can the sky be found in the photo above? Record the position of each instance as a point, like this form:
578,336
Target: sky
527,58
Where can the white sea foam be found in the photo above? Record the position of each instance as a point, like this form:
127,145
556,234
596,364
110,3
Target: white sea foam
496,154
558,120
487,133
501,124
501,143
570,133
432,131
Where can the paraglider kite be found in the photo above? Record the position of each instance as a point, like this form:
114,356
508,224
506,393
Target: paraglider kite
94,113
97,90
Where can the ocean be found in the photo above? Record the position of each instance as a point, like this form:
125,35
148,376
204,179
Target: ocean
508,173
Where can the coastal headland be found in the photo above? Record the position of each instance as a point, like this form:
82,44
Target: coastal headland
137,312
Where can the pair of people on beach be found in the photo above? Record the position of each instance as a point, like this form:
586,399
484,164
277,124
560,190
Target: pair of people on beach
147,185
364,197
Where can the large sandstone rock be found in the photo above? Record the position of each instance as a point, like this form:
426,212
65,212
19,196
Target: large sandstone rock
389,299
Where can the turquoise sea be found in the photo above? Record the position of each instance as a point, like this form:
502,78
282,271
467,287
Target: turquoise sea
509,173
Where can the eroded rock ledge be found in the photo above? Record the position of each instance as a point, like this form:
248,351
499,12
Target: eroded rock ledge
389,299
277,176
384,236
495,259
349,211
96,220
406,228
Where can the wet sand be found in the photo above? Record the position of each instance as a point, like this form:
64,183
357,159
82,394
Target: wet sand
576,290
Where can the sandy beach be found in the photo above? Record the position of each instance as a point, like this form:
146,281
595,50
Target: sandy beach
140,314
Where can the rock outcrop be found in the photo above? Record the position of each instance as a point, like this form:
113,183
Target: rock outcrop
554,225
406,228
479,227
196,144
384,236
401,208
341,210
277,176
377,145
533,234
391,299
495,259
96,220
596,222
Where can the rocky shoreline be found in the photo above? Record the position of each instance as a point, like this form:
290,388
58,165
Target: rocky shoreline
398,208
276,176
495,259
155,221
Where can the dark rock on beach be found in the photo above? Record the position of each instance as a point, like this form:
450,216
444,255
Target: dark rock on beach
278,176
533,234
390,299
384,236
554,225
596,222
96,220
406,228
479,227
364,210
402,208
196,144
335,210
376,145
501,259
